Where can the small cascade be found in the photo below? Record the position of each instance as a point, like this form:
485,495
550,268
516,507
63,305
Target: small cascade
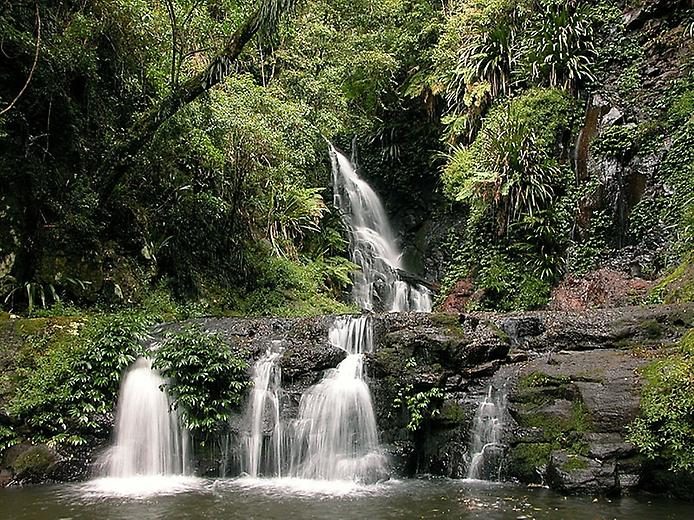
335,436
262,443
486,448
148,436
373,246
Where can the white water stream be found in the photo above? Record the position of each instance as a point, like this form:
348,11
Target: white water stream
148,437
486,448
378,285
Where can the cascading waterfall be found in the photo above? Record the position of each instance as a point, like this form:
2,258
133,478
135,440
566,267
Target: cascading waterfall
148,437
262,444
372,245
335,436
486,448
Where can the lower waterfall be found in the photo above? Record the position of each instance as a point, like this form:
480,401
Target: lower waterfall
148,437
486,448
334,436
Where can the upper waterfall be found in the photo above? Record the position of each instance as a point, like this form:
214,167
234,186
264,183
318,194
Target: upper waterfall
378,285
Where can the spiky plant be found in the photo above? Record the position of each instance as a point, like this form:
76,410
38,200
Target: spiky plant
559,48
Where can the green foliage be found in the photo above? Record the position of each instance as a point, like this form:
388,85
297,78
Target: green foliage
619,141
665,427
8,437
517,194
36,459
73,386
286,287
419,406
205,377
678,285
559,50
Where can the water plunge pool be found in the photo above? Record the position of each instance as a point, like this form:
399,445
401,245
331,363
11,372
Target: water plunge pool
268,499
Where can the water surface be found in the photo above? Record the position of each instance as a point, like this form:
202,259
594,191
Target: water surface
248,499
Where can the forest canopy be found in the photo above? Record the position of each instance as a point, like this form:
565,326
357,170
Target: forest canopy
179,146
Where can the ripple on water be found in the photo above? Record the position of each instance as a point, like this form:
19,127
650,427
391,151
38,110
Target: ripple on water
301,487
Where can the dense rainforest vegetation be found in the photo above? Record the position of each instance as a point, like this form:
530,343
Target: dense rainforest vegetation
120,180
169,159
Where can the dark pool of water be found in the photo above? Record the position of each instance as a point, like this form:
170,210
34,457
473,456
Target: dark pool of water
291,499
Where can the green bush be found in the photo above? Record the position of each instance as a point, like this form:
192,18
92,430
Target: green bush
206,378
665,428
286,287
66,396
517,191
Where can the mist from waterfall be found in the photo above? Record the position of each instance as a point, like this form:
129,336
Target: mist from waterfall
378,285
148,436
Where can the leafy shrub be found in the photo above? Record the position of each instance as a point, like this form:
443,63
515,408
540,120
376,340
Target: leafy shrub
559,49
517,191
206,377
665,428
419,406
74,384
285,287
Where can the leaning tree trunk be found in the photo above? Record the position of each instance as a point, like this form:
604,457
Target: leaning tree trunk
117,160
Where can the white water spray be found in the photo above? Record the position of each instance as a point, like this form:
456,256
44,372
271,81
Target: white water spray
148,437
372,245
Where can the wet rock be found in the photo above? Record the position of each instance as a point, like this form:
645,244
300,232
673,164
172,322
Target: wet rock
575,474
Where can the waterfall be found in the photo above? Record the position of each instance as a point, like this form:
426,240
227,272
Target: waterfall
372,245
262,443
335,436
486,447
148,437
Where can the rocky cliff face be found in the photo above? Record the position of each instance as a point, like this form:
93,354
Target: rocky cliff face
572,381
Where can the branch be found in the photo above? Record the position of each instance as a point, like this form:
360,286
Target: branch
33,66
114,165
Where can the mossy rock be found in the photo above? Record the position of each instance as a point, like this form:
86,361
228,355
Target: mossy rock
527,461
678,286
34,462
451,322
452,412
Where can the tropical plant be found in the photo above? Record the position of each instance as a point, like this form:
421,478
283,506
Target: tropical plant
206,378
664,430
67,396
559,48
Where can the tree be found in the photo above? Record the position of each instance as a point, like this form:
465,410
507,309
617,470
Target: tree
115,164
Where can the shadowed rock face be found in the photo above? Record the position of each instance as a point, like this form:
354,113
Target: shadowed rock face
572,380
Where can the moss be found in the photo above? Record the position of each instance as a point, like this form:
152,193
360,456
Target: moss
451,322
581,420
678,286
540,379
652,329
574,464
35,460
453,412
498,332
524,460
